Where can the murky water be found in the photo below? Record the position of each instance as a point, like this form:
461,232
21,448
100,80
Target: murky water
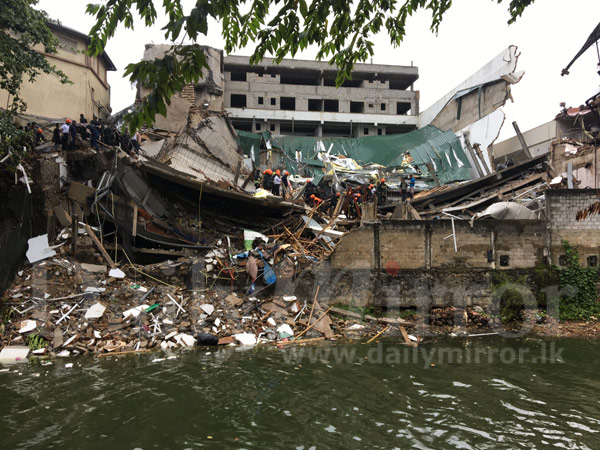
454,393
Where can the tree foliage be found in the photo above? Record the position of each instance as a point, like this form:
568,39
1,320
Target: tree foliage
341,29
23,29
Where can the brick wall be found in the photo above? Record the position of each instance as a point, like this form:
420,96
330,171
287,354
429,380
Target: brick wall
355,250
561,209
405,249
409,245
400,263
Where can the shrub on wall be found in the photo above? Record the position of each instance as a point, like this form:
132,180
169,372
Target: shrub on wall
582,302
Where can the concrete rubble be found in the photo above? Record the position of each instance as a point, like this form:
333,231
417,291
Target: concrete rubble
183,246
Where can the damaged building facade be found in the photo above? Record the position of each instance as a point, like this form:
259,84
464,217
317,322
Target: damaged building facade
299,97
89,91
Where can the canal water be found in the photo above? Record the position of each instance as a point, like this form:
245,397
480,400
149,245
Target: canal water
476,393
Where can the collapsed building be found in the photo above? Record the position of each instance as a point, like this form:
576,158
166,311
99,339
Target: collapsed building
186,216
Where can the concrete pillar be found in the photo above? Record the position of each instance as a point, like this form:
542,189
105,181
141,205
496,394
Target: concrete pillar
319,130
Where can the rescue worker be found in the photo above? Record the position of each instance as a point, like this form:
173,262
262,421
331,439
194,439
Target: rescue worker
285,183
267,180
403,187
310,190
371,193
412,187
64,128
94,133
382,192
125,141
56,136
257,178
316,201
82,129
276,182
72,134
39,136
333,199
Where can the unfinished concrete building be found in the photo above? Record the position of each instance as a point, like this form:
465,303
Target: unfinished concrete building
299,97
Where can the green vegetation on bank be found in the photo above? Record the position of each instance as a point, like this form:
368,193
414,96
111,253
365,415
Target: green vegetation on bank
571,291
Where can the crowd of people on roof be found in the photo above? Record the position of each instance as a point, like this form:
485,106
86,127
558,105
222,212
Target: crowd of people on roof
65,135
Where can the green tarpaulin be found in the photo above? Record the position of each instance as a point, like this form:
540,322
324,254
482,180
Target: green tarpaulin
427,145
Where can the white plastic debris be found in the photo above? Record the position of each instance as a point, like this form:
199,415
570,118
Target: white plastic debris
14,353
245,338
94,290
95,311
356,326
68,341
185,340
271,321
134,312
64,354
27,325
39,249
289,298
250,236
68,365
217,322
97,334
208,309
285,331
116,273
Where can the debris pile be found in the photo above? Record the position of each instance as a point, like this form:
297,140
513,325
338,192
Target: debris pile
63,307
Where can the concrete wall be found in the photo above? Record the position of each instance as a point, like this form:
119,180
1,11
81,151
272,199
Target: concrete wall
89,94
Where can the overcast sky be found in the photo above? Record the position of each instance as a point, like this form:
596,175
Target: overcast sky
472,32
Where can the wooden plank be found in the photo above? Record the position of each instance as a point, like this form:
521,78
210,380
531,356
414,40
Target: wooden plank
98,244
413,212
433,174
378,334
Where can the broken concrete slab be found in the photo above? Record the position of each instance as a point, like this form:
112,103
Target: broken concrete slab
93,268
234,300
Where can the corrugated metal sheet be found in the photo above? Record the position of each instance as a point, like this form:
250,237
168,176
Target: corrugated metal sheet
429,144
